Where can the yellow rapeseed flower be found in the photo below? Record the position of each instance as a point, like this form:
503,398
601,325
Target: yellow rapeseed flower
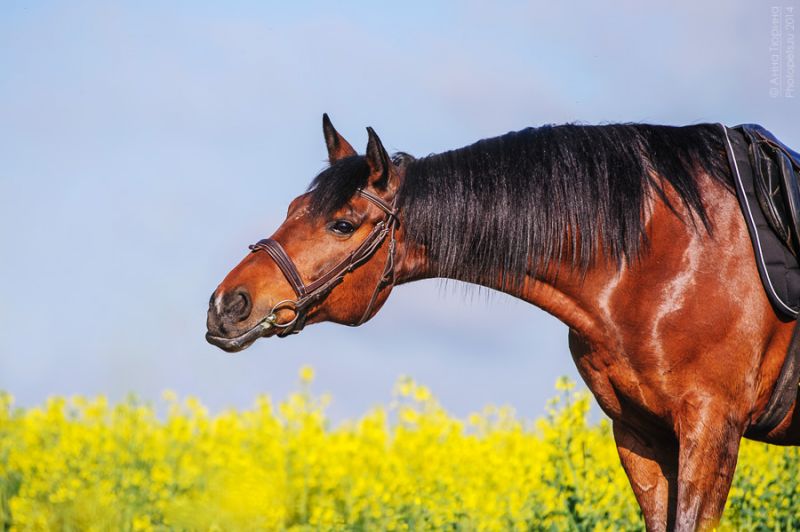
85,464
306,374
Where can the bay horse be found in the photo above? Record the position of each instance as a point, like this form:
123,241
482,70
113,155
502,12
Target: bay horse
630,234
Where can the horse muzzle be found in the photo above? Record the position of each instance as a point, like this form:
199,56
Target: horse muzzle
237,343
227,312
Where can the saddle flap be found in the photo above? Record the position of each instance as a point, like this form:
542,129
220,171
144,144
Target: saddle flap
776,170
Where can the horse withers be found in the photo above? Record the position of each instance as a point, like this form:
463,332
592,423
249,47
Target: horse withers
631,234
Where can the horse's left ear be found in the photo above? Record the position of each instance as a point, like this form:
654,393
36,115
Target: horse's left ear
380,165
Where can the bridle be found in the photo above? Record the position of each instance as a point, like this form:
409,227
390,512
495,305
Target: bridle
309,294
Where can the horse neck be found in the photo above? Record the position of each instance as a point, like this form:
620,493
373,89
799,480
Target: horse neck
574,297
570,295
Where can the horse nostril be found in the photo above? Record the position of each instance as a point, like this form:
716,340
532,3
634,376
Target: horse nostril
236,305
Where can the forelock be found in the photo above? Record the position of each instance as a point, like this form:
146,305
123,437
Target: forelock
332,188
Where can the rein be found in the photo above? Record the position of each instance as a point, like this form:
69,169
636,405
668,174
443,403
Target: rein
309,294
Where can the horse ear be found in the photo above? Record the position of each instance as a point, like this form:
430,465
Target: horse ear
338,148
380,165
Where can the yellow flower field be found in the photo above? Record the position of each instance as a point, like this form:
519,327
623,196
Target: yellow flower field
82,464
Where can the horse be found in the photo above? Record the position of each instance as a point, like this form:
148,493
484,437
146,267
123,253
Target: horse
630,234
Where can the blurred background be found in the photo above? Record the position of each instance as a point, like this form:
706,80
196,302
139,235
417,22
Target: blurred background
145,144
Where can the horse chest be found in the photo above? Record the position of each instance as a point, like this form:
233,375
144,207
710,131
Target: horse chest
610,381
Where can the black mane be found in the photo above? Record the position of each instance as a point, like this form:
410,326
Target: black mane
492,209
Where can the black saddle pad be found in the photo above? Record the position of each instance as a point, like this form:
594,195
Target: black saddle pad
778,266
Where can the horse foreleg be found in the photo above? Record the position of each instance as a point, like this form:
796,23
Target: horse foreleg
708,448
652,468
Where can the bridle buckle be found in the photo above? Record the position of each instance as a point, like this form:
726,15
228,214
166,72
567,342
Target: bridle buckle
272,318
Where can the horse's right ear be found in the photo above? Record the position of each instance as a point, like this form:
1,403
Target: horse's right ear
338,148
380,165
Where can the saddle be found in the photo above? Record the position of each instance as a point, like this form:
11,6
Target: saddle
766,174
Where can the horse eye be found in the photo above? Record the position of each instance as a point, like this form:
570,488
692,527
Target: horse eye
342,227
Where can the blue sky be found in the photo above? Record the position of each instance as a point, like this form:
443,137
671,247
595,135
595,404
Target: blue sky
143,145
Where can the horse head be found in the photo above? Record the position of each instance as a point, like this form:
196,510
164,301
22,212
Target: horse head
332,259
